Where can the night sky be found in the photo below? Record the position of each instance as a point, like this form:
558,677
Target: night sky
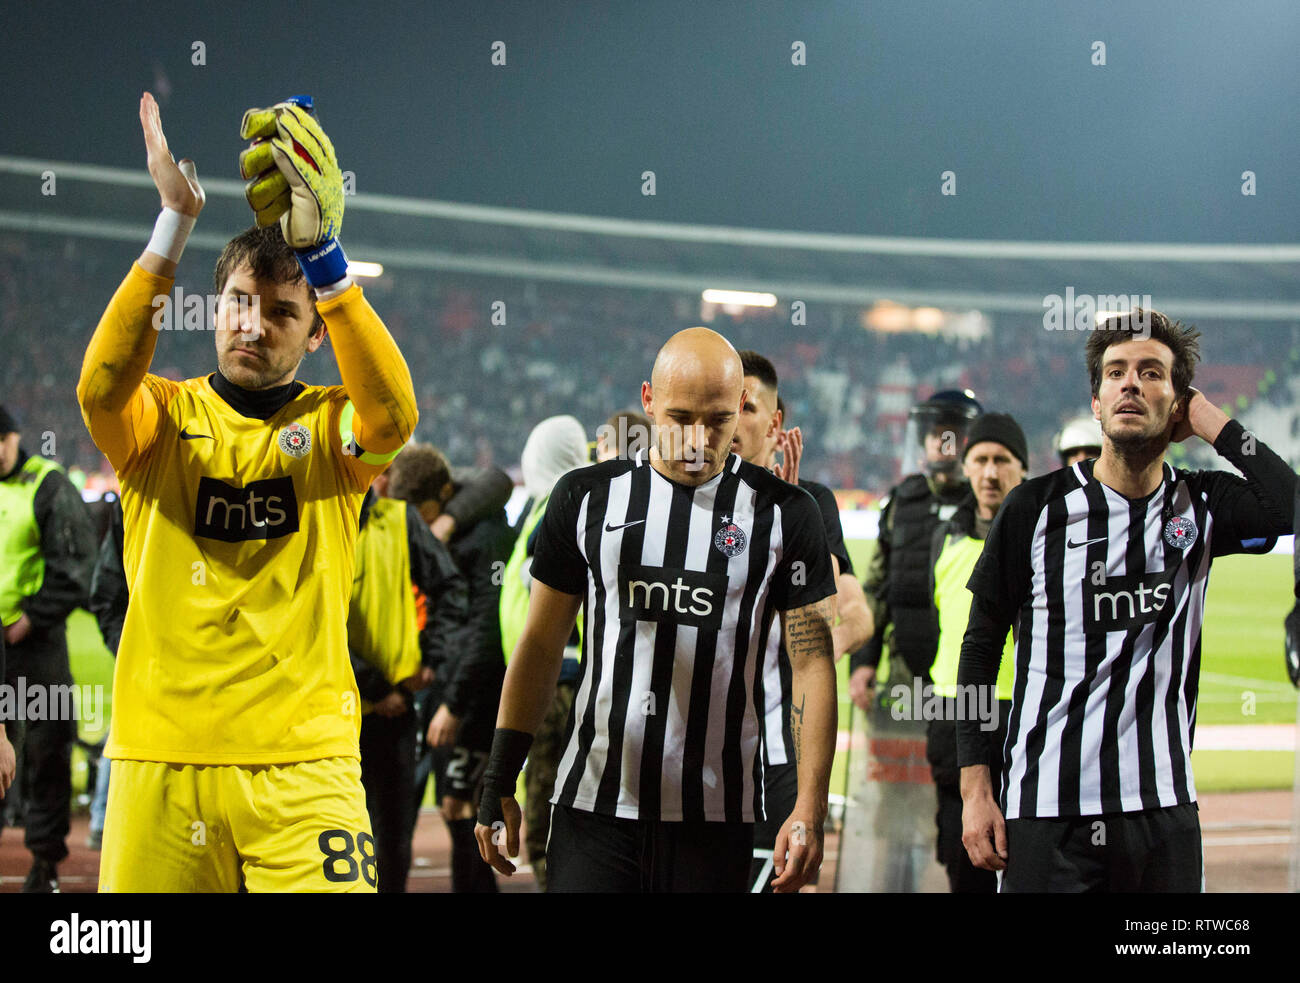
1149,147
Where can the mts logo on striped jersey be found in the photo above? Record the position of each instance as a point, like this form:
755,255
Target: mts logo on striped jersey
683,597
264,509
1120,603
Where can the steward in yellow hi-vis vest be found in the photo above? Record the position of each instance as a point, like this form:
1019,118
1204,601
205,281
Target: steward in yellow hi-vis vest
409,607
995,461
457,714
952,570
383,627
47,549
236,714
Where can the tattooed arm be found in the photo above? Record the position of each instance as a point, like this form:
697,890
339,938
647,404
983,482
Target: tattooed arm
808,640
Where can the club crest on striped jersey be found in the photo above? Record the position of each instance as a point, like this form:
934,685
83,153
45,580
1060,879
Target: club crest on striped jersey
1180,532
730,539
295,440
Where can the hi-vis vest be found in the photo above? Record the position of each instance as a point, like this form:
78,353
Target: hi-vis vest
22,565
513,606
382,624
917,512
951,572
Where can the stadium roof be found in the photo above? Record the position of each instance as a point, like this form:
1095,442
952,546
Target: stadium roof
1229,282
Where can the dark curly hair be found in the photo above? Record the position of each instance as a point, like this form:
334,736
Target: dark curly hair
1139,324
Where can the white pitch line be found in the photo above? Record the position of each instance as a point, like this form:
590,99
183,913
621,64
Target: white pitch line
1278,840
1246,737
1209,737
1269,684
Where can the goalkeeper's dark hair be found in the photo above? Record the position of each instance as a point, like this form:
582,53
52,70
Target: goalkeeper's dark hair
269,256
419,474
1139,325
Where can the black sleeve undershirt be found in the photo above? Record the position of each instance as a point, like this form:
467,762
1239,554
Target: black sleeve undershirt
981,657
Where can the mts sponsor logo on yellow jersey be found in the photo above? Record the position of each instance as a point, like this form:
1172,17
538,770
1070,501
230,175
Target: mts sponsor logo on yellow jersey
264,509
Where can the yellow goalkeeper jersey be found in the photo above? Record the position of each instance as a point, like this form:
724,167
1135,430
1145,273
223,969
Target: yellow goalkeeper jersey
239,539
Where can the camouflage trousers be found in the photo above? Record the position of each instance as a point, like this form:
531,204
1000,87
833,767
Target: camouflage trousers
539,778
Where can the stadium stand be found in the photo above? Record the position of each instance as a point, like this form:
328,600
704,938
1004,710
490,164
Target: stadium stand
568,348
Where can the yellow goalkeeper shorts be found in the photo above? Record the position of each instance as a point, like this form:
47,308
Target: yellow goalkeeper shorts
299,827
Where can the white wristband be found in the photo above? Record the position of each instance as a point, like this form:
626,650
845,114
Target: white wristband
334,289
170,233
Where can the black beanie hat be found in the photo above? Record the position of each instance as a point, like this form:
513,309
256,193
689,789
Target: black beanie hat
1002,429
7,422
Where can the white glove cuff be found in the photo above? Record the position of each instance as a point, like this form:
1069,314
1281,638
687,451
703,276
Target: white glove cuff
333,289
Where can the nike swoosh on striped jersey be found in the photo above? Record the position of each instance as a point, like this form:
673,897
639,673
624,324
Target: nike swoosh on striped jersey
1087,542
609,528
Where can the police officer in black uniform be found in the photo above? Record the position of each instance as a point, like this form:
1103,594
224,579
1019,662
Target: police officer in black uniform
897,582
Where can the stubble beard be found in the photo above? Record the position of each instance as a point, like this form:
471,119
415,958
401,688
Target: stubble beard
1137,450
259,375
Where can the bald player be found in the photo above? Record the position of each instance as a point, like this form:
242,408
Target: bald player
681,558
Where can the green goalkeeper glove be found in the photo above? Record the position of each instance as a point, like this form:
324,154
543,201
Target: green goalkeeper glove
294,176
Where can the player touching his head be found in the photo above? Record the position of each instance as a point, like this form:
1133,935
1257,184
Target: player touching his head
1103,568
236,715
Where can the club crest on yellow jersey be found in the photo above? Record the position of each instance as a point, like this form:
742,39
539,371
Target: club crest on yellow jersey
295,440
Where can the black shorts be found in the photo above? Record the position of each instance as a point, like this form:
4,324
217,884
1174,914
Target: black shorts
780,790
1152,851
458,770
941,751
590,853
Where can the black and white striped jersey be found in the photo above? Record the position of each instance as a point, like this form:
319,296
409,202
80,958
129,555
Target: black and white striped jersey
778,746
680,586
1109,596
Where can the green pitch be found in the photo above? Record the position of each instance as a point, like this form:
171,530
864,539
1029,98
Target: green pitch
92,665
1243,679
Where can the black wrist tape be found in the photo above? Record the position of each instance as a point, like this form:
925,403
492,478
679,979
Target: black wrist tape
509,751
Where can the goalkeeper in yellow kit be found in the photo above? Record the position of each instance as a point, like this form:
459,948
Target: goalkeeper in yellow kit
236,713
